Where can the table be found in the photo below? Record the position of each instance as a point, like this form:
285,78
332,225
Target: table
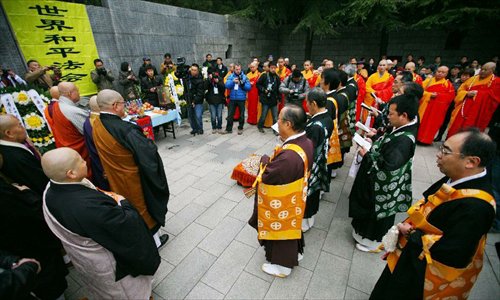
166,120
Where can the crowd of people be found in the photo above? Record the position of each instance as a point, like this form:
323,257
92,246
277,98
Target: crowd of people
100,198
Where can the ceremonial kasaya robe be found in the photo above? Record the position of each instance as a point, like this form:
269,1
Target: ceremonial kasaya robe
417,79
97,169
381,86
352,96
475,111
318,130
313,81
283,73
133,167
345,135
361,94
108,243
382,186
432,111
442,258
253,98
334,155
237,109
67,135
24,233
22,166
278,220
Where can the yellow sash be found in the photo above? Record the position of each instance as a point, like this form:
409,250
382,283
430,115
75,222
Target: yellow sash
334,154
442,280
281,207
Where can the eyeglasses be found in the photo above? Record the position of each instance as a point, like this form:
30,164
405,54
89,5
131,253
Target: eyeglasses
445,151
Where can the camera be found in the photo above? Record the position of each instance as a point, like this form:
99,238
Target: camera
182,69
294,95
101,71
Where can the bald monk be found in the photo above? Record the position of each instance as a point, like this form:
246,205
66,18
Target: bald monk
476,100
253,94
438,94
379,83
107,241
66,121
410,66
21,159
98,177
131,162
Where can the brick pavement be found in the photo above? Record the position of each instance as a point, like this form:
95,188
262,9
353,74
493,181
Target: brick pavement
213,253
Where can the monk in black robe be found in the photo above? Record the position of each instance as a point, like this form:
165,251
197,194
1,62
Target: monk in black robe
21,159
377,194
286,167
131,162
463,222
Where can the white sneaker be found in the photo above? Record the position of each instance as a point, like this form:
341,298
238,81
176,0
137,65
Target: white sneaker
311,221
321,193
305,225
276,270
334,174
366,249
300,257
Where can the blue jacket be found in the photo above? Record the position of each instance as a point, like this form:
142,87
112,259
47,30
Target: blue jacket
241,93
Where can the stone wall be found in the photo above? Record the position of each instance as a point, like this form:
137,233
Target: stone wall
9,53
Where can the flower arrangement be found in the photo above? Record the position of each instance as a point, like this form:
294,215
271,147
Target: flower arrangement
36,127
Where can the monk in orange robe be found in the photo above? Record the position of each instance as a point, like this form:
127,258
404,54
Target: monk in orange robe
410,66
283,72
253,95
379,83
476,100
438,94
66,120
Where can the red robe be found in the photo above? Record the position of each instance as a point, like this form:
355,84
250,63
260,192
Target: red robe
475,111
253,98
434,109
417,79
67,135
381,86
313,80
361,94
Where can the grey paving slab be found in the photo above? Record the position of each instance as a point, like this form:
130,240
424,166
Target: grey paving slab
203,291
330,277
225,271
186,275
492,257
248,286
354,294
163,270
314,240
248,235
243,211
487,285
213,215
339,240
365,270
175,251
235,193
221,236
323,218
292,287
183,198
183,218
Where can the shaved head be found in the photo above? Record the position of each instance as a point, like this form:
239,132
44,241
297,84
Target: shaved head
106,98
6,123
94,107
410,66
490,65
54,92
487,69
65,88
56,163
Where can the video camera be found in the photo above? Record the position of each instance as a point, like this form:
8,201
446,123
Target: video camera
182,69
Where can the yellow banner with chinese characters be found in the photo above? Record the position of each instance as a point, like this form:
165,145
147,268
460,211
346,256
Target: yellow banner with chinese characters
55,34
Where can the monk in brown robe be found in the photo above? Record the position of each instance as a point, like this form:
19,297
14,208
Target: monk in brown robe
131,162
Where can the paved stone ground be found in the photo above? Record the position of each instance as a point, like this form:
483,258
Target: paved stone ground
213,253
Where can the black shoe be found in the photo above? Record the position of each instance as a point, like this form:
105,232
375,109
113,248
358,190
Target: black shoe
200,131
261,130
163,240
193,132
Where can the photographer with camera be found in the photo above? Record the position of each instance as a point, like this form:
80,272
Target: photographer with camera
150,85
195,91
38,77
102,78
167,66
238,85
295,88
268,86
129,82
9,78
215,88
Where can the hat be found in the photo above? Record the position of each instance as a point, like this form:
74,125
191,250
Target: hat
146,58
